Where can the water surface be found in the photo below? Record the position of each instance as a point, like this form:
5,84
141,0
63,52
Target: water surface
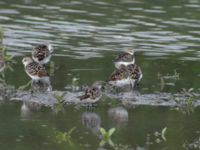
87,35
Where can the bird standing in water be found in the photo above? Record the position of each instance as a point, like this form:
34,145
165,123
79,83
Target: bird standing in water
92,94
42,53
119,77
135,74
126,75
125,58
34,70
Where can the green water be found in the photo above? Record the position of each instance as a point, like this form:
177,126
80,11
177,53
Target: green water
87,35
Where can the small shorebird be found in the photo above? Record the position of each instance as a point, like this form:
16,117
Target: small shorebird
34,70
42,53
119,77
92,94
135,74
126,75
125,58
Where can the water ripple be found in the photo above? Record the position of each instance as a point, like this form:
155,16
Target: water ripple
84,30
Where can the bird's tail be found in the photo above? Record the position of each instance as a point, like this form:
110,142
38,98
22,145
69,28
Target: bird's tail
50,47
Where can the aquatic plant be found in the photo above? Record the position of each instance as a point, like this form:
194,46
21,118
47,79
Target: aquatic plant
58,107
6,61
161,136
64,137
59,96
7,58
75,83
168,79
185,106
51,67
106,136
6,90
1,36
148,141
156,138
25,86
194,145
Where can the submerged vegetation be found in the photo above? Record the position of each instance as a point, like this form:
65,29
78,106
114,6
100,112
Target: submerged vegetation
186,106
58,107
75,84
168,80
106,137
6,61
64,137
194,144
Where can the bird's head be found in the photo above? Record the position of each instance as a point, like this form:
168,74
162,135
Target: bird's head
26,60
130,51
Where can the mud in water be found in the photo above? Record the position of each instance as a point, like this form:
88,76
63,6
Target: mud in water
131,98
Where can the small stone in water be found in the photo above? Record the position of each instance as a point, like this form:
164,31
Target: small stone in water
18,140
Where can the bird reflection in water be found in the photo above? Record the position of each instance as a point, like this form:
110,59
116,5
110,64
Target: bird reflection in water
119,115
43,85
92,121
28,108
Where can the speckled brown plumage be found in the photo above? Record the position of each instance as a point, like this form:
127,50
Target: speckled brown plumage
134,72
125,57
40,52
119,74
126,75
91,93
35,69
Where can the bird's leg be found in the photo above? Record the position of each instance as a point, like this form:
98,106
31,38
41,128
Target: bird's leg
132,84
91,106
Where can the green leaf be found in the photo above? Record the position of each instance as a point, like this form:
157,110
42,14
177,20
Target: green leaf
163,133
191,89
10,68
24,86
71,130
103,131
110,142
111,131
102,143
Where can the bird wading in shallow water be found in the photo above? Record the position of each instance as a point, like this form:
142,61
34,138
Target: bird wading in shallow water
92,94
125,58
135,74
34,70
126,75
42,53
119,77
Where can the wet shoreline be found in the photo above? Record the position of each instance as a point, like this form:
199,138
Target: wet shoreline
126,98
